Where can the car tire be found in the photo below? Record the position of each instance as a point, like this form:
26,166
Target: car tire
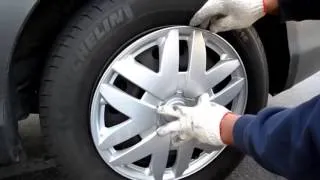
86,48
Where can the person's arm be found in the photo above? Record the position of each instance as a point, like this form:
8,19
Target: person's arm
271,6
284,141
226,15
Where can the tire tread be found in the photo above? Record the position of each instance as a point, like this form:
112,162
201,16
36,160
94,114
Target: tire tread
63,42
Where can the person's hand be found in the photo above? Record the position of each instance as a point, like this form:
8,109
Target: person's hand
225,15
201,122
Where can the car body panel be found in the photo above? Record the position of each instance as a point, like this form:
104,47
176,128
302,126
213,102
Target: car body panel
304,47
13,15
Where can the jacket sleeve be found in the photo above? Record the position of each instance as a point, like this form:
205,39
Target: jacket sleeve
284,141
299,9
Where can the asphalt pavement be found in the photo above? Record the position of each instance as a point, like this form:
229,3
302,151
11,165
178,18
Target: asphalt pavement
247,170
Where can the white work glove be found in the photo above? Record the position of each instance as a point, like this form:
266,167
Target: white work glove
225,15
201,122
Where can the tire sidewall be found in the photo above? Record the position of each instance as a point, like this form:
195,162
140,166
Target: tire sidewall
92,49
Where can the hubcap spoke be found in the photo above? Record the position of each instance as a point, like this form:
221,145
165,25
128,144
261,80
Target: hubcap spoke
227,94
142,117
183,158
152,144
199,80
207,148
197,65
220,71
160,157
169,59
139,75
134,153
120,133
162,84
127,104
198,56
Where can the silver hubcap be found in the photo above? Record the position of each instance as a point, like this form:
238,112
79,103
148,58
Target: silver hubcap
131,146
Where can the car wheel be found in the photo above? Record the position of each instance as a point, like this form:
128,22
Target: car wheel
116,62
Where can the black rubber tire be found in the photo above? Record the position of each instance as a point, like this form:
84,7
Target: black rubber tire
73,70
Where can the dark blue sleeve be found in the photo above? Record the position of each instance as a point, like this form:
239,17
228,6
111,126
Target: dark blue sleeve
284,141
299,9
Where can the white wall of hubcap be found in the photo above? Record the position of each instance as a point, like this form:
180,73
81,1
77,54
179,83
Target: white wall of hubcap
158,88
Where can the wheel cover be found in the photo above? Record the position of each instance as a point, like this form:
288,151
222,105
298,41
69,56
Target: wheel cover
165,86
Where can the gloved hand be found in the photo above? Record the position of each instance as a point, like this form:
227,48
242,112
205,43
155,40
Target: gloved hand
225,15
201,121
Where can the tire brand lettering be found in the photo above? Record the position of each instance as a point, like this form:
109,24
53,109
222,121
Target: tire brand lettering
91,40
114,19
82,50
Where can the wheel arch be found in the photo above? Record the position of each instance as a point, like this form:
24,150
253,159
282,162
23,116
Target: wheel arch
14,15
33,46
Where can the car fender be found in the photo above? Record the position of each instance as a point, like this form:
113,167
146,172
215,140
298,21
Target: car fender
13,15
304,47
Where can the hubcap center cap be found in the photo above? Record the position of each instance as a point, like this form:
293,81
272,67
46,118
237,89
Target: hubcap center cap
178,100
172,102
